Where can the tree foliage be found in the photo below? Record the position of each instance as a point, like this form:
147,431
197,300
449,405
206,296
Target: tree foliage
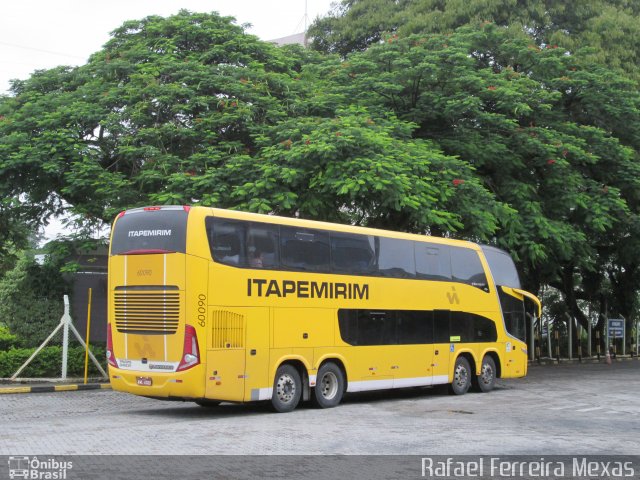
608,28
31,299
552,139
189,109
164,97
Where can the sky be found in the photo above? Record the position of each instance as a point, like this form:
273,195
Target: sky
41,34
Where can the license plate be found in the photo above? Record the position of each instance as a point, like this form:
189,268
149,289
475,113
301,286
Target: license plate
144,381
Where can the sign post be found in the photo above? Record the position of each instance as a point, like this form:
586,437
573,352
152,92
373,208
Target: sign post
637,338
570,330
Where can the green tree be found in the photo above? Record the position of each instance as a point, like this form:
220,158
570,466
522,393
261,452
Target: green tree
31,298
164,98
189,109
609,28
367,170
553,140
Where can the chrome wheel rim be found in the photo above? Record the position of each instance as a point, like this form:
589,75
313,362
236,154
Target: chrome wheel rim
329,385
461,377
285,388
487,374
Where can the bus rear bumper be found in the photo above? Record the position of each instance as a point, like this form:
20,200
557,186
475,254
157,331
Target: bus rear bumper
186,384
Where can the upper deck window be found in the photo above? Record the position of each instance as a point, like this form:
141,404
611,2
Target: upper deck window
396,258
433,261
467,268
305,249
227,241
502,267
354,254
262,245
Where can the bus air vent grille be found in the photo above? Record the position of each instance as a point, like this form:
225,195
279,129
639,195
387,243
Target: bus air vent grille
227,330
145,312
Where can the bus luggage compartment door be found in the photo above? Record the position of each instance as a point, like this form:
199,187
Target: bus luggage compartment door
225,375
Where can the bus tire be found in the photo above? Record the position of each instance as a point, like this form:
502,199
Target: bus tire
287,389
487,378
329,386
207,403
461,376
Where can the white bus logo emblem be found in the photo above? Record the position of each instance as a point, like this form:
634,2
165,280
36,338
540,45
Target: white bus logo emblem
18,467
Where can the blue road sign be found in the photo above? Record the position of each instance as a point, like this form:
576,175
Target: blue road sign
616,327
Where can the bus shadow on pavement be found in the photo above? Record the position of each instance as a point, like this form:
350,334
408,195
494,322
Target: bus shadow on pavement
415,393
190,410
187,410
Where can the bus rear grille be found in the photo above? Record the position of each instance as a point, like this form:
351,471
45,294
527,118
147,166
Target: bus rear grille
227,330
145,312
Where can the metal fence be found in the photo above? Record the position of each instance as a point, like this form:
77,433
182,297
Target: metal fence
566,339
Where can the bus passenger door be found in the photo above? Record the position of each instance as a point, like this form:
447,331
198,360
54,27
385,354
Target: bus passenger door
412,357
441,346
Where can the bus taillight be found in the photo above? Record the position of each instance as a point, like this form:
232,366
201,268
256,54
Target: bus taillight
111,357
190,353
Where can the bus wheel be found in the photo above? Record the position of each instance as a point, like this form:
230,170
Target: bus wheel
287,389
461,376
207,403
329,386
487,378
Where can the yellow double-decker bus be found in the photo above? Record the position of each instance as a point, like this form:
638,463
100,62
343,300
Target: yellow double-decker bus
214,305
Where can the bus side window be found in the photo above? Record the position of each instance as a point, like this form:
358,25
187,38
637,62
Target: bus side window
305,249
472,328
262,245
484,329
352,254
415,327
467,268
441,325
462,327
348,325
226,241
432,261
395,258
376,327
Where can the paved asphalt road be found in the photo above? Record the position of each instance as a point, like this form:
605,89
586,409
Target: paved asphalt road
570,409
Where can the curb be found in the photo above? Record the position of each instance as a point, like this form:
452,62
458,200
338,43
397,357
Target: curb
575,361
55,388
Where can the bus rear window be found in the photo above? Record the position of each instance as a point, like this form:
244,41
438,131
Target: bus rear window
150,231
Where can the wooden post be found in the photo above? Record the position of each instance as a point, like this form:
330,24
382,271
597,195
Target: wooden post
86,348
